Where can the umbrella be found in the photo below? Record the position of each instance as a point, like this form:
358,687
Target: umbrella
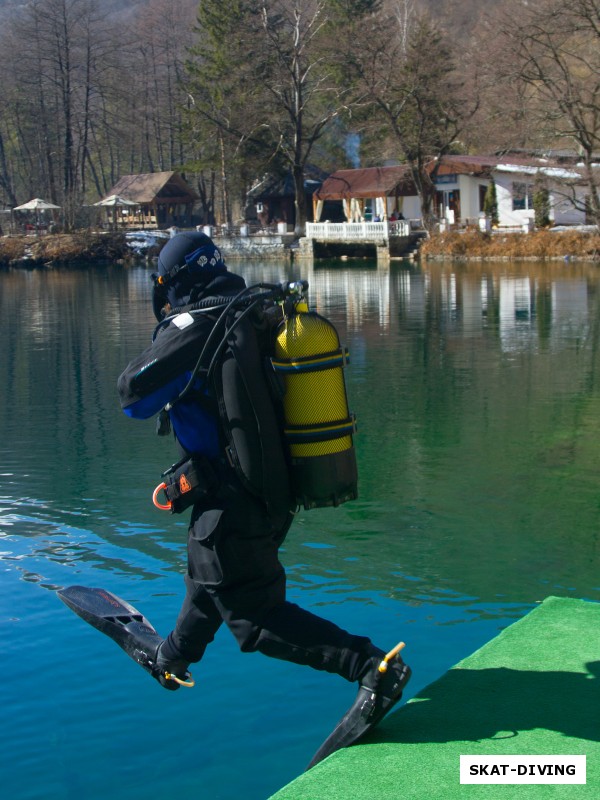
114,200
37,204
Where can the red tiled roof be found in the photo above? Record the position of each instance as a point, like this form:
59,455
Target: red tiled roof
367,182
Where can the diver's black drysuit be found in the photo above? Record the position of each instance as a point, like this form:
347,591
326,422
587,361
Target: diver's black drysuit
234,574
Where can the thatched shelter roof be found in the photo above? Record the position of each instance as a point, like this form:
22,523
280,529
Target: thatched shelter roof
154,188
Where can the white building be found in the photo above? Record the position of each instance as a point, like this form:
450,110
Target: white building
378,193
461,183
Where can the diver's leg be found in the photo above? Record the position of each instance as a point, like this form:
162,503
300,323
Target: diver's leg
251,599
199,619
196,626
247,584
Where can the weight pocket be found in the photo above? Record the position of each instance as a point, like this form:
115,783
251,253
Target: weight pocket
203,548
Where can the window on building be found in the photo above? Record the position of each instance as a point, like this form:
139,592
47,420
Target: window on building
522,196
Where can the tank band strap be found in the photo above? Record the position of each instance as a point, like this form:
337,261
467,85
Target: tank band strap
305,434
333,360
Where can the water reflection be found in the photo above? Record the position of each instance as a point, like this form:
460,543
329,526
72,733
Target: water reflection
462,299
478,427
479,419
479,423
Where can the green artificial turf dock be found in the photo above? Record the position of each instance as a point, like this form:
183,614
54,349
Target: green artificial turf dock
533,690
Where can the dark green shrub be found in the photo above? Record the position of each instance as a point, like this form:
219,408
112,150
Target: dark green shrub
541,206
490,203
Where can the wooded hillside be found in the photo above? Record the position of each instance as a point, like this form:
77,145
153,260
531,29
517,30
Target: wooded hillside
225,92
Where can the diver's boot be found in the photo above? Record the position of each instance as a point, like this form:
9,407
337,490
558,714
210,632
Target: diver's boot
380,687
382,684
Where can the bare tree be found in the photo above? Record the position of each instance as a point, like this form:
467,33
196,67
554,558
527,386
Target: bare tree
305,75
98,97
168,25
6,177
155,56
418,95
32,108
269,76
55,103
502,121
556,54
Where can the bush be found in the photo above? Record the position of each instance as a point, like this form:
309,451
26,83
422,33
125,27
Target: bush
11,249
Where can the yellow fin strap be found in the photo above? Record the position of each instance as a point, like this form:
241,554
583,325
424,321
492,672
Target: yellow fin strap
190,682
386,660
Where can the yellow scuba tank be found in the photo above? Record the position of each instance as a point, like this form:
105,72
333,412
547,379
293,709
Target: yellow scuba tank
318,426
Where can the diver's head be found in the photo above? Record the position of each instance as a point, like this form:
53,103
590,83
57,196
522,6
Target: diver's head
186,264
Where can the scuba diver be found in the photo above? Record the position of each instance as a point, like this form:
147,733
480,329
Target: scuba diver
222,408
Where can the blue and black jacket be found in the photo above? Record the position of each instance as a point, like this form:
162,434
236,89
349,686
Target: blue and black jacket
232,416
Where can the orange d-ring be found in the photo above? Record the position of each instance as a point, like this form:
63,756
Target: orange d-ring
159,488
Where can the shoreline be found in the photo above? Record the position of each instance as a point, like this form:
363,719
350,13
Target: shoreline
89,249
83,249
543,245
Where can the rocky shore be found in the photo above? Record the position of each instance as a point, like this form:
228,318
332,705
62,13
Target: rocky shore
83,248
90,248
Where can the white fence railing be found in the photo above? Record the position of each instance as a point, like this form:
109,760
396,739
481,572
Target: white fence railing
355,231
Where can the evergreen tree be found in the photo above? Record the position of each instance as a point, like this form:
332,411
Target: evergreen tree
224,124
490,203
541,205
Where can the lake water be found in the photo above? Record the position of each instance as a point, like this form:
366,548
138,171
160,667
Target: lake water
477,392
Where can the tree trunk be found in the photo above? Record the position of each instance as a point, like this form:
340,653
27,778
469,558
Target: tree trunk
300,200
225,188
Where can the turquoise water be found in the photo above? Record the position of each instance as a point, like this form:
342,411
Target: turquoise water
476,390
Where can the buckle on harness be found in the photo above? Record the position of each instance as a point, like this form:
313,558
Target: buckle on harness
187,482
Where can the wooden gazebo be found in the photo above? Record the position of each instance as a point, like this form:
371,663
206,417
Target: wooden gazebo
162,198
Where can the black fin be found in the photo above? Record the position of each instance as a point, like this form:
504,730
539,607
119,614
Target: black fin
117,619
368,709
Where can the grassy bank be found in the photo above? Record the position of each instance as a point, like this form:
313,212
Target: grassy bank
539,245
82,248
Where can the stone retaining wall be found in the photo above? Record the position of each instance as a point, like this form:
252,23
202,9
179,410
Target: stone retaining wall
260,247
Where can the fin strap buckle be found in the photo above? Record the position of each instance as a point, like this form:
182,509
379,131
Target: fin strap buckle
188,681
389,656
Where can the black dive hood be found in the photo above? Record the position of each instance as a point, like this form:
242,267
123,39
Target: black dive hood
186,265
